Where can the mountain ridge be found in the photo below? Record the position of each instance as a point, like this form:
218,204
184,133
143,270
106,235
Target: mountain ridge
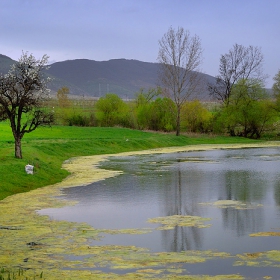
91,78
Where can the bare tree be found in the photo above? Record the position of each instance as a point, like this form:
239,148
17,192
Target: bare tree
22,94
180,55
240,63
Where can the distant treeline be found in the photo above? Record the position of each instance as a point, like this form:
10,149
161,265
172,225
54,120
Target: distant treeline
252,116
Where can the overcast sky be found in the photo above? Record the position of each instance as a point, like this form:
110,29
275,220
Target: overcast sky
108,29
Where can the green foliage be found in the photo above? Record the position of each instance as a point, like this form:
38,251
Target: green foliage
249,113
162,115
276,85
111,110
62,106
195,117
62,114
74,112
78,120
158,115
143,107
276,89
142,114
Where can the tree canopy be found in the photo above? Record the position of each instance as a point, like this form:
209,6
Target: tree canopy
22,94
249,112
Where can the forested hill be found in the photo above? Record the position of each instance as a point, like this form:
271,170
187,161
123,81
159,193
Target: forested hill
96,78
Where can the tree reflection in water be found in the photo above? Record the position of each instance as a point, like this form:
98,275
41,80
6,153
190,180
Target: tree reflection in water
244,176
177,202
238,186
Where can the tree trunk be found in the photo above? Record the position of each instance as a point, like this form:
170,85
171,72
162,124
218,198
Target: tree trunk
18,153
231,131
178,123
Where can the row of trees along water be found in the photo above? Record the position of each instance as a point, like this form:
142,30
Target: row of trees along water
243,108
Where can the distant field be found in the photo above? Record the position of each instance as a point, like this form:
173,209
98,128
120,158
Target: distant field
47,147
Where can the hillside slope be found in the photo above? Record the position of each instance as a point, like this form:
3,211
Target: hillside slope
5,63
121,76
96,78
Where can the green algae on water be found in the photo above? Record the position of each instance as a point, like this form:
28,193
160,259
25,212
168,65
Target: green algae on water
259,259
170,222
265,234
236,204
36,243
126,231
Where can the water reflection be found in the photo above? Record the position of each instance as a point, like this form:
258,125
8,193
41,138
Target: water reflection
238,184
243,186
176,202
277,191
178,184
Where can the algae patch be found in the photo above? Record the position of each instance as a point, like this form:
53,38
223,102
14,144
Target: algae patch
170,222
63,250
127,231
36,243
127,258
195,160
84,171
96,275
259,259
236,204
265,234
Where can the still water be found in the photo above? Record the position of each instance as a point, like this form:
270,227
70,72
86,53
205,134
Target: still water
187,183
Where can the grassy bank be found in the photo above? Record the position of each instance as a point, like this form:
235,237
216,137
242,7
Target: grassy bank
47,148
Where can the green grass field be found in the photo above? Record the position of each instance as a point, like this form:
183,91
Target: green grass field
47,147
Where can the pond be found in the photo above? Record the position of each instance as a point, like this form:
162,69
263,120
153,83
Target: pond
237,191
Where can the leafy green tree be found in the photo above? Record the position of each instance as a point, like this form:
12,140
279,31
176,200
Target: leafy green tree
158,114
162,115
195,117
143,110
23,92
111,110
249,112
143,106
